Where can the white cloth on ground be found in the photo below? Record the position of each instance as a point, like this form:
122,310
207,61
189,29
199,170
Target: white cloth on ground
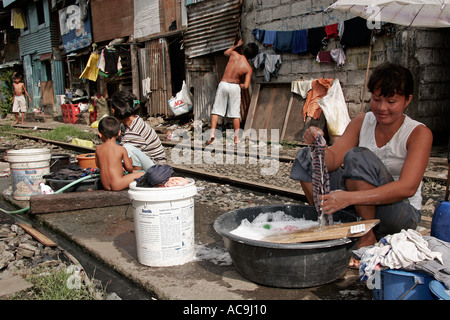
398,251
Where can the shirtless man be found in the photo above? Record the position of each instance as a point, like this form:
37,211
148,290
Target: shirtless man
19,102
109,156
228,95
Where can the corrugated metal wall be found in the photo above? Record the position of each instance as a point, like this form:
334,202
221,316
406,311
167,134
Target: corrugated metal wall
212,26
154,64
39,42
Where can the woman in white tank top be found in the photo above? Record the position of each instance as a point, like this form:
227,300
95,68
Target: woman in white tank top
386,153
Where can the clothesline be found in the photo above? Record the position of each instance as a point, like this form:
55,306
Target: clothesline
352,32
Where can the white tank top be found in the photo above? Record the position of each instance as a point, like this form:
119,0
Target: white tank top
393,153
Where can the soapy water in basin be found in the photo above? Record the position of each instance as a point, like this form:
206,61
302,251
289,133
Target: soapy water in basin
271,223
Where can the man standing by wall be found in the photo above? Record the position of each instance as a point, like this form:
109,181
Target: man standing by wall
228,96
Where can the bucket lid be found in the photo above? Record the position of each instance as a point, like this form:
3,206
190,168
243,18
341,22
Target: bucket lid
28,154
162,194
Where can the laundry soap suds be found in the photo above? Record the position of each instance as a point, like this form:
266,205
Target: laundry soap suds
271,223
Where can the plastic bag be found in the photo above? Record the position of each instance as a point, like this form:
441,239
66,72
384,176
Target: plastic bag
335,109
182,102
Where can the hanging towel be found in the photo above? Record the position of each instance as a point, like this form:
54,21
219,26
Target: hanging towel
301,87
259,34
283,41
338,55
300,41
91,70
269,38
319,89
323,57
315,37
356,33
320,178
331,31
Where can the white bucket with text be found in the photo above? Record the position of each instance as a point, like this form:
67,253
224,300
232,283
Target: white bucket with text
27,167
164,224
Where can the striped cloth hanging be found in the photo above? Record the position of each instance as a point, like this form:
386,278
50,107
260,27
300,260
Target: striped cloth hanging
320,178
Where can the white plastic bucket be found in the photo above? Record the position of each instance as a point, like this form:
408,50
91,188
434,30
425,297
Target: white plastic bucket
27,167
164,224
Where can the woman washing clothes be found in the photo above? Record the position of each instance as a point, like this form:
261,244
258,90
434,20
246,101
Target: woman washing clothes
136,134
377,165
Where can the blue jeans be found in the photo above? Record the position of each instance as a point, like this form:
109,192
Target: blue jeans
138,157
362,164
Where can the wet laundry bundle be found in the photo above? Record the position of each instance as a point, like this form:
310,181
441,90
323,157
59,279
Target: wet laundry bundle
160,175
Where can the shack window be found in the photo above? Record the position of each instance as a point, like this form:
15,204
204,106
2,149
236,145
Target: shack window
40,12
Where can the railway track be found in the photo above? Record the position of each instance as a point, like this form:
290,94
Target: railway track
202,171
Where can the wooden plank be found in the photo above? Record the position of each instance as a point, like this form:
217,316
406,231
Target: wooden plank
332,232
37,235
252,108
286,118
77,201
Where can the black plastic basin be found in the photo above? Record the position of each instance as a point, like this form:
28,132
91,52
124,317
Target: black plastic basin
297,265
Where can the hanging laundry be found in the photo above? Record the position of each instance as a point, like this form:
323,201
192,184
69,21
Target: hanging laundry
269,38
315,37
338,55
91,70
272,65
323,57
283,41
17,20
356,33
259,34
300,41
270,62
109,62
301,87
320,178
319,89
331,31
335,109
259,60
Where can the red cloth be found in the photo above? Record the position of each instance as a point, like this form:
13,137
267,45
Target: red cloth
331,31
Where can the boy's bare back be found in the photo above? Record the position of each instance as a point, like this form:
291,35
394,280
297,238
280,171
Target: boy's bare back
109,157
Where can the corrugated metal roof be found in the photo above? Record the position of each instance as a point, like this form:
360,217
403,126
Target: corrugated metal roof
212,26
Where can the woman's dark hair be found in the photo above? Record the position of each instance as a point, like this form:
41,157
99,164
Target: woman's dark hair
391,79
125,104
251,50
109,127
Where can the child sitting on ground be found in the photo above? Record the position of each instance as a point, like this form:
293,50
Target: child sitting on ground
112,158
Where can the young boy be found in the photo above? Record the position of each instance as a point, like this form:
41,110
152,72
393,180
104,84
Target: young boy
19,102
109,157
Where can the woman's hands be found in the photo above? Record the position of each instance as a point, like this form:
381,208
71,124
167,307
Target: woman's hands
334,201
311,134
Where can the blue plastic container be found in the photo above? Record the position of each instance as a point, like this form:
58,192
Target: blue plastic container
440,224
403,285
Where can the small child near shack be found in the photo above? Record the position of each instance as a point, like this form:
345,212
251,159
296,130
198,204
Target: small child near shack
19,102
112,158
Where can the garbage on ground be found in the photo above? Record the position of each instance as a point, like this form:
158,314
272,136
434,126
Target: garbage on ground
82,143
